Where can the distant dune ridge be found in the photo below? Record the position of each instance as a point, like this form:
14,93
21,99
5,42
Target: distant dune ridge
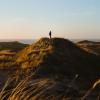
14,45
90,46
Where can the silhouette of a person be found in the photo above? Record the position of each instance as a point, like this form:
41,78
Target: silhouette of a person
50,34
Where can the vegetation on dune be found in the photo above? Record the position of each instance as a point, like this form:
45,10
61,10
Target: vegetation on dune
53,88
15,46
6,58
93,47
33,55
58,55
50,69
8,51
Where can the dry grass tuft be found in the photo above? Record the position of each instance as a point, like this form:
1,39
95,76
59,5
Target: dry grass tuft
42,89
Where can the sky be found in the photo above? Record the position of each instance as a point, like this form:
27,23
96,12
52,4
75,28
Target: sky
29,19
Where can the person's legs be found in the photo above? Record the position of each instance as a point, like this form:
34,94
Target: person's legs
50,36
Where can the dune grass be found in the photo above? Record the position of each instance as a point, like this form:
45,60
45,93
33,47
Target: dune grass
44,89
51,60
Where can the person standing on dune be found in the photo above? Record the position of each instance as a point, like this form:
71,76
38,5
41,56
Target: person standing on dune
50,34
